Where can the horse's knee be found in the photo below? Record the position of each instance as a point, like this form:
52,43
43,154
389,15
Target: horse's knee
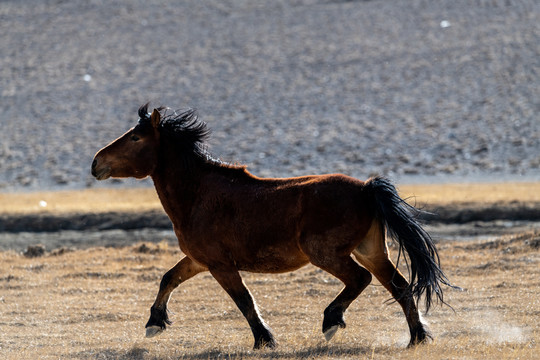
169,279
366,277
165,280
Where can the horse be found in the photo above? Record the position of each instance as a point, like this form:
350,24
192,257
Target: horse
228,220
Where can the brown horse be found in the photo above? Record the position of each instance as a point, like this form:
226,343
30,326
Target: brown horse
228,220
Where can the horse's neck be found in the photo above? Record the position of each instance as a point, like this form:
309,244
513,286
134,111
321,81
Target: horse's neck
178,188
176,191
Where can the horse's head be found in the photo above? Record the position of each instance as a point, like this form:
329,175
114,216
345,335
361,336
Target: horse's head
134,154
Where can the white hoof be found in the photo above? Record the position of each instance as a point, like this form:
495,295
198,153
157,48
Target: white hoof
329,334
152,331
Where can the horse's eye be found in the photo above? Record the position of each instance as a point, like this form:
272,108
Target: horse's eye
134,137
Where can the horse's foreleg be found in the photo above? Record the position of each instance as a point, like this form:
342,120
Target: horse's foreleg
183,270
355,278
233,284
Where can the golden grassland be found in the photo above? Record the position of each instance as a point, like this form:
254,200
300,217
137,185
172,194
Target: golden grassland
93,304
143,199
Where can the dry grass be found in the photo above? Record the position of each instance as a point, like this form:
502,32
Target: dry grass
88,200
142,199
478,193
93,304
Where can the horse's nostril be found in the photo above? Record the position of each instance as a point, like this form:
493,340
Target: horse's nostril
94,163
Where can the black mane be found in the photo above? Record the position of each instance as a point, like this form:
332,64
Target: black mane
184,132
184,126
143,113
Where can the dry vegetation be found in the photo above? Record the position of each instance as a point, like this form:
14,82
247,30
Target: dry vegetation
93,304
89,200
141,199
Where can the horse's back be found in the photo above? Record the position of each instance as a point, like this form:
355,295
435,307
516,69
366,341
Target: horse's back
316,201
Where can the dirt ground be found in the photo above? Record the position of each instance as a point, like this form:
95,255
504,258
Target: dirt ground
94,303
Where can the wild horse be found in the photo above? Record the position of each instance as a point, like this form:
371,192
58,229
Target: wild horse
228,220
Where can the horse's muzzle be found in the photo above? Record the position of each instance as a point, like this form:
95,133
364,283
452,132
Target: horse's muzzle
100,172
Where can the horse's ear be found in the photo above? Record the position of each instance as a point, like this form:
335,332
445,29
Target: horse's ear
155,118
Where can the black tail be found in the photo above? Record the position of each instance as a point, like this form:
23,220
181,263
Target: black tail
399,219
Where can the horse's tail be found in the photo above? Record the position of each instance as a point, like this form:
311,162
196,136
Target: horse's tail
400,221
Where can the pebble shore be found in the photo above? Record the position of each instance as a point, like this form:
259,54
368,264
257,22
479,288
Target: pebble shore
416,90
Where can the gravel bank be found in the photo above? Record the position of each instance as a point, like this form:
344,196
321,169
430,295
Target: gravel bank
411,89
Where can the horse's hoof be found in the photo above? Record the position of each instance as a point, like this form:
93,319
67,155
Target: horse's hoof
271,344
265,341
330,332
420,335
152,331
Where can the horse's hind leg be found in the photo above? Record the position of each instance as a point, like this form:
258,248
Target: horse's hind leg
355,278
373,254
183,270
393,281
232,283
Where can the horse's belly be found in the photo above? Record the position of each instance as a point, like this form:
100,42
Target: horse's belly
245,254
271,260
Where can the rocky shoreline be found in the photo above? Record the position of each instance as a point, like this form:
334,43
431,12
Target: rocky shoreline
408,89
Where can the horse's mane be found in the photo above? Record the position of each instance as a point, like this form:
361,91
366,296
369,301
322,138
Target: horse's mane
184,133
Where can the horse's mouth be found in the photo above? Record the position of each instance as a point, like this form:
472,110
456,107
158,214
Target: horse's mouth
102,174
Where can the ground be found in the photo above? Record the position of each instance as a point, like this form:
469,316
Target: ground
422,91
92,301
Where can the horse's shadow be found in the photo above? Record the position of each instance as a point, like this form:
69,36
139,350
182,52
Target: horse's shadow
337,351
303,353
